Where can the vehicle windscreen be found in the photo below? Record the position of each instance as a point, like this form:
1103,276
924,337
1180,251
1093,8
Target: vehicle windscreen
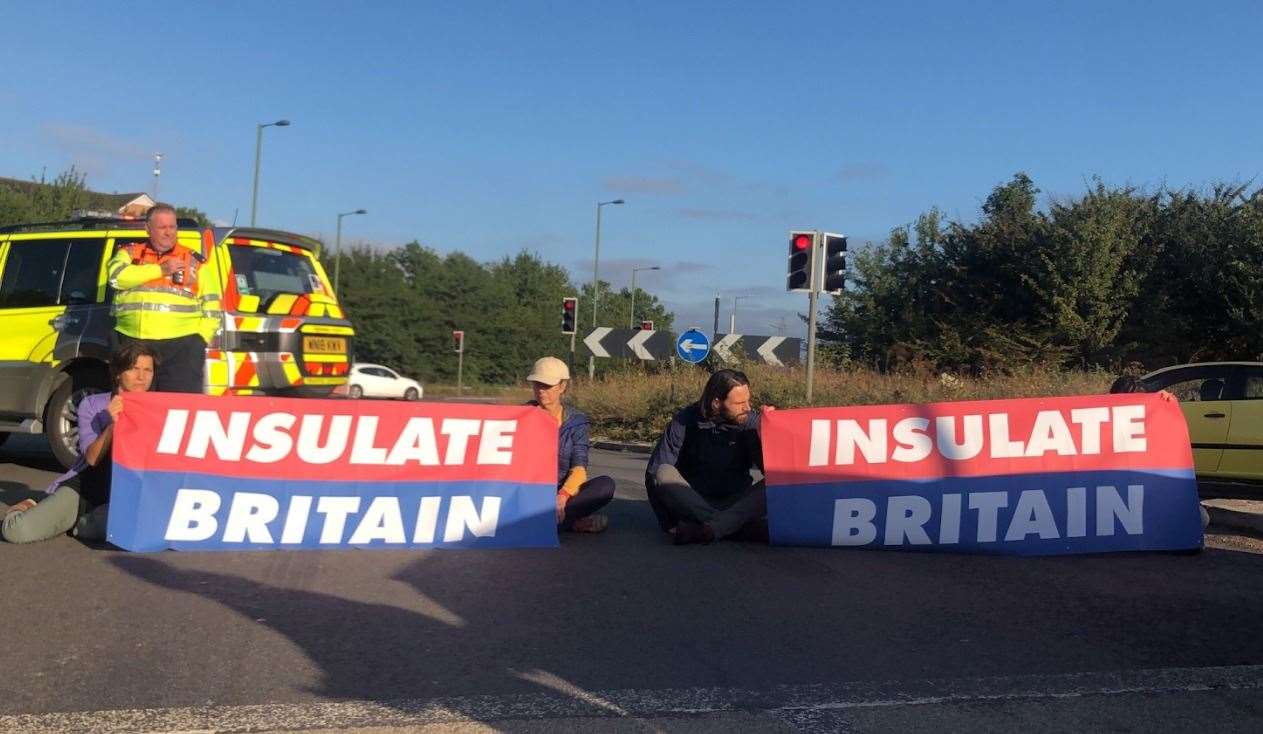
264,272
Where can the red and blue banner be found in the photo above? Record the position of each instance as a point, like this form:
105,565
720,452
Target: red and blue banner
194,472
1039,476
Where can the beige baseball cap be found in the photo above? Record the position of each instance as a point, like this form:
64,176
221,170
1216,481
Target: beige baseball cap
549,371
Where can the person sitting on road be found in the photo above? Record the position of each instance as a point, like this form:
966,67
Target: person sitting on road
78,500
698,477
578,495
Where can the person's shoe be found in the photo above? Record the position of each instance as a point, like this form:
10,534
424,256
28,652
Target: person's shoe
22,506
687,533
754,531
590,524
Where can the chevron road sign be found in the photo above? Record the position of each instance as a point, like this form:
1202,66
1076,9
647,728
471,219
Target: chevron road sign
604,341
778,351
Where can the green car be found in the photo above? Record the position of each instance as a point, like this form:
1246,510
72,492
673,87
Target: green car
1223,405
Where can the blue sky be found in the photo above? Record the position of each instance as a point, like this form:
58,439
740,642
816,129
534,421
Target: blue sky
493,127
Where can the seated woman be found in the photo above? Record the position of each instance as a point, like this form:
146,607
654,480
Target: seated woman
578,496
79,499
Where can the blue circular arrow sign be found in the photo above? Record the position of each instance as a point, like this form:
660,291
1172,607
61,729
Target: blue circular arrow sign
692,346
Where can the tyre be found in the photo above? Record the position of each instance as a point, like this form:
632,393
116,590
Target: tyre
61,415
355,392
411,394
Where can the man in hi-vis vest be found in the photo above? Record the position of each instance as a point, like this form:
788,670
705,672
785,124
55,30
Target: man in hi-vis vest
167,296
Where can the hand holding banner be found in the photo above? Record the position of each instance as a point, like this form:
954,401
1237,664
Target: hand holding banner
231,473
1036,476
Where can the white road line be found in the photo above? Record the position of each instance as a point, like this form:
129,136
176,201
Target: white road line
566,701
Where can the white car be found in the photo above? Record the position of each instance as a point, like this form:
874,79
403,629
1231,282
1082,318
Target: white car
376,381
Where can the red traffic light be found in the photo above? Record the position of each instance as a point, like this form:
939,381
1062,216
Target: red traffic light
568,304
802,242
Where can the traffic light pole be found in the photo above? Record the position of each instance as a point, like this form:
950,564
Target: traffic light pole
460,371
812,297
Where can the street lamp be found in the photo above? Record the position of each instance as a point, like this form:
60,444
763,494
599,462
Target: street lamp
732,324
631,320
157,171
596,276
337,249
258,151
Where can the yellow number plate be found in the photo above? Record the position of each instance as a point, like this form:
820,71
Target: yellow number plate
323,345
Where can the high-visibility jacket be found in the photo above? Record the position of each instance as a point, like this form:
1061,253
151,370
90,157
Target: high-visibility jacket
150,305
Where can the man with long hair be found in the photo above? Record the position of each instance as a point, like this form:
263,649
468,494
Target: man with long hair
698,477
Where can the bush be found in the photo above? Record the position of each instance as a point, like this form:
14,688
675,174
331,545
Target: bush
636,406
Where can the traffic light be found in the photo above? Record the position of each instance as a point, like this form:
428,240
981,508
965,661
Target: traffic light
802,247
834,263
569,310
458,341
646,326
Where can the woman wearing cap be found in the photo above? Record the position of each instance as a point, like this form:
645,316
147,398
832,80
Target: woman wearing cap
578,495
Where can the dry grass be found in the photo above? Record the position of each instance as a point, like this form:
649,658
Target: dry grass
637,406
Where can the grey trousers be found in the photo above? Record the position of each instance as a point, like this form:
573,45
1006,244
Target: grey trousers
56,514
671,492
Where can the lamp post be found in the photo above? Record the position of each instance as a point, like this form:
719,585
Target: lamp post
596,276
631,320
732,323
157,171
258,152
337,249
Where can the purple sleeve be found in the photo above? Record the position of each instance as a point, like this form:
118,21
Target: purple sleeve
94,416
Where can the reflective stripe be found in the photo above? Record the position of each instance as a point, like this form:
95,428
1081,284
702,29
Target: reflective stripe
114,272
211,297
162,289
170,307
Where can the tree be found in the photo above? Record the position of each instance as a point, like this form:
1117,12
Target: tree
41,200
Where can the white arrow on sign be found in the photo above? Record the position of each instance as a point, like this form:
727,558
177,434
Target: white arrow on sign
637,344
593,341
724,346
766,350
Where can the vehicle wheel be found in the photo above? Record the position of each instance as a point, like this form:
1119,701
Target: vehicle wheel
411,394
355,393
61,415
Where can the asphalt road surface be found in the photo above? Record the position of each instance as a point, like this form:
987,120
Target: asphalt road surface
622,632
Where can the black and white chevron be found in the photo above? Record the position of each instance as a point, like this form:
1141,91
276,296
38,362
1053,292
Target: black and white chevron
778,351
604,341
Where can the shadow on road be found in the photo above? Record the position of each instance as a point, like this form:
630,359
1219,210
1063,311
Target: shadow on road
628,610
14,492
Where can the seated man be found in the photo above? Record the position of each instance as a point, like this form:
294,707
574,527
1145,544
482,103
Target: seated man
698,477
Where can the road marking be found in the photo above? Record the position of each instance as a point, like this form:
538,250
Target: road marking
766,350
723,347
565,700
593,341
637,344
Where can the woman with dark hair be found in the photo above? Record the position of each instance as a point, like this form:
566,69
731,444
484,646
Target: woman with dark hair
78,500
698,478
578,495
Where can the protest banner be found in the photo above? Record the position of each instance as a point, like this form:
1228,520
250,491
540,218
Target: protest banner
231,473
1036,476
